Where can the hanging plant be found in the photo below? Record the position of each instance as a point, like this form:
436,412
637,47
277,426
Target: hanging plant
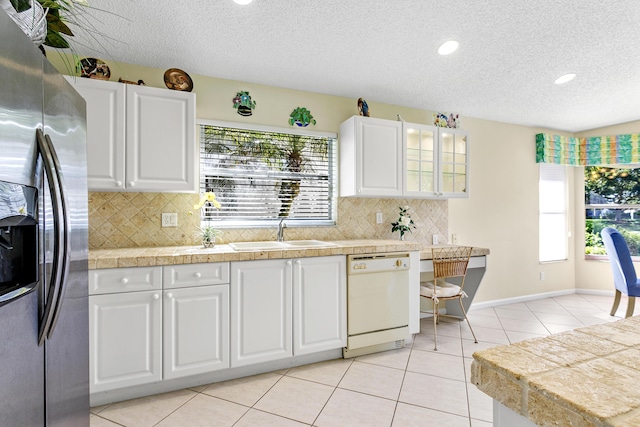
301,117
243,103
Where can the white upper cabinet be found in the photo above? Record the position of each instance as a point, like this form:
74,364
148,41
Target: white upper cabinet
370,157
454,163
436,162
386,158
139,138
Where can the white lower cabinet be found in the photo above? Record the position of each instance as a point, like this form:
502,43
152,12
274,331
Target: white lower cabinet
282,308
125,339
260,311
319,304
149,324
196,319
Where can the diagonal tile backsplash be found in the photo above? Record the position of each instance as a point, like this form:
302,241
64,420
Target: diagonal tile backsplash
126,220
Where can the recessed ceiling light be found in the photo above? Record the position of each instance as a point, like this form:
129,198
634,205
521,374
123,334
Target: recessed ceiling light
448,47
242,2
565,79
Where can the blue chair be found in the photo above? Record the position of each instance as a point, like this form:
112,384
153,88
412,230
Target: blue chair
624,274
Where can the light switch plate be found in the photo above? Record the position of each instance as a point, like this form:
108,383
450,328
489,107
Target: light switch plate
379,218
169,219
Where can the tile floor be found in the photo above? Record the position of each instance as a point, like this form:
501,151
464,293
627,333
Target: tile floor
413,386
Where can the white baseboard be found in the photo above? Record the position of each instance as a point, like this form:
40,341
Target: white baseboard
514,300
596,292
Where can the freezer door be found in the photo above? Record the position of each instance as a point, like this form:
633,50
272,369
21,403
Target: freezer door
21,359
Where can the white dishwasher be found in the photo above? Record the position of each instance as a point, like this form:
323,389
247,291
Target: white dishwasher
377,302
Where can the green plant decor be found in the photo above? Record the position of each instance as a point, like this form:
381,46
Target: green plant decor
301,117
59,13
243,103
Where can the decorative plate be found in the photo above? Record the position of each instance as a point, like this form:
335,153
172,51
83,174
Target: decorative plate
93,68
177,79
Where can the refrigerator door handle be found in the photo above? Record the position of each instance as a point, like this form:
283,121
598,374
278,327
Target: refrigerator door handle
60,265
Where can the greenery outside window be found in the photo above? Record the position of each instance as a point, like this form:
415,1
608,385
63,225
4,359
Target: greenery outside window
612,199
263,174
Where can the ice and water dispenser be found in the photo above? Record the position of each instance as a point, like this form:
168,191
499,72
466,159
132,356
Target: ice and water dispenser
18,240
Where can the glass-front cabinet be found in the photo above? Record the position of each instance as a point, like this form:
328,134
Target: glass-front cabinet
436,161
421,159
454,163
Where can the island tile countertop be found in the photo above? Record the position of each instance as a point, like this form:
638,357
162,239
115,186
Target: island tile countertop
586,377
144,257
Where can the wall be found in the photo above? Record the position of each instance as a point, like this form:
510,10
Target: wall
501,213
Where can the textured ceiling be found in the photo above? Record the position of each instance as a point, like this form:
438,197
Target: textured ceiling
510,52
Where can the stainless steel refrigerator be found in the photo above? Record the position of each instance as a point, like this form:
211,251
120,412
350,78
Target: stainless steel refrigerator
44,338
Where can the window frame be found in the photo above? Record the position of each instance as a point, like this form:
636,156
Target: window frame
271,222
563,211
612,206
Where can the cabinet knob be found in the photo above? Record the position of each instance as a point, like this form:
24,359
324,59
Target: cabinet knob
118,183
156,296
198,275
289,263
131,183
298,262
398,263
124,280
169,295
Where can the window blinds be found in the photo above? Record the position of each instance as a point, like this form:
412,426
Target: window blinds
260,177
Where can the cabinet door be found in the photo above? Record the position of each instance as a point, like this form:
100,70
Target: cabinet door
260,311
125,333
161,144
370,157
454,163
319,304
105,132
378,157
196,330
420,160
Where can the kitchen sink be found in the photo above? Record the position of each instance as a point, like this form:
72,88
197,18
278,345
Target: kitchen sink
291,244
251,246
310,244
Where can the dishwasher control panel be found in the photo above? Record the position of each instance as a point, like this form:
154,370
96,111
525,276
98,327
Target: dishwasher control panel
372,263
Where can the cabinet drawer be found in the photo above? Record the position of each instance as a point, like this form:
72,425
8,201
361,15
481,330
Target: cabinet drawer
187,275
113,280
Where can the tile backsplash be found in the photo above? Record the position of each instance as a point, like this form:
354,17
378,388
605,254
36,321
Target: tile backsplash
126,220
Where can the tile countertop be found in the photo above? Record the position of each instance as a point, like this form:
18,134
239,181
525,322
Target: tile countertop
143,257
585,377
426,253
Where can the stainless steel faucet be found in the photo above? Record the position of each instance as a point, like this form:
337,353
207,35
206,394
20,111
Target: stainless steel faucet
281,227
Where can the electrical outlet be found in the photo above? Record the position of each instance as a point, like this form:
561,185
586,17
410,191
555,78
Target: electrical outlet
454,239
542,275
379,218
435,239
169,219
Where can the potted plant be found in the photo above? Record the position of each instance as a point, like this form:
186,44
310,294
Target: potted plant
404,223
55,21
208,233
301,117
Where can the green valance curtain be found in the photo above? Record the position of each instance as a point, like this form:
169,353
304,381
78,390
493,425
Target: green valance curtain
588,151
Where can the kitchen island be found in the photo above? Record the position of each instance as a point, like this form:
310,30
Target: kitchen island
587,377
